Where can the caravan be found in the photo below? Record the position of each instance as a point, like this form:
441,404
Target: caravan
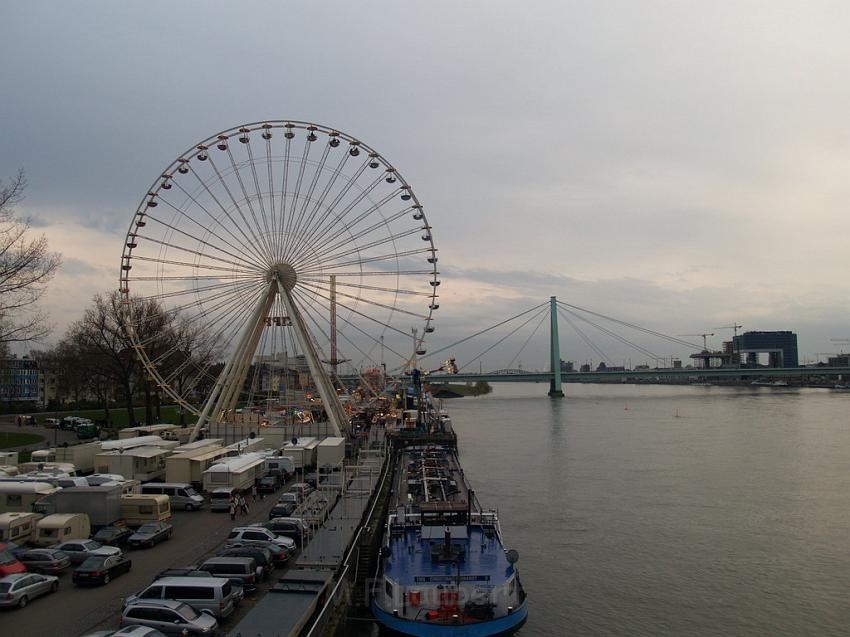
140,509
18,527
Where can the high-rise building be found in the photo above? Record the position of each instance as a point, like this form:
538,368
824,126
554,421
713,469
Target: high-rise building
18,379
781,348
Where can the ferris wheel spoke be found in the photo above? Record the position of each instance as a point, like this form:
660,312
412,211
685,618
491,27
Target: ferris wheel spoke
361,299
272,203
264,239
290,219
268,233
194,266
254,240
321,200
217,221
315,303
167,244
242,261
309,196
326,334
363,315
373,258
283,193
187,291
339,217
236,293
373,288
352,223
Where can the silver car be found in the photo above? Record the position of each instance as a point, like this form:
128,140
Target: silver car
169,617
80,550
20,588
130,631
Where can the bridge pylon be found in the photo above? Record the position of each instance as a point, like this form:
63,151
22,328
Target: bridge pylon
555,390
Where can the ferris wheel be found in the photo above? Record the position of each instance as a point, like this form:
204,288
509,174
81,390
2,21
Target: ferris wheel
278,238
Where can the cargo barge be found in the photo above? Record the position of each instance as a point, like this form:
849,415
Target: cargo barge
444,569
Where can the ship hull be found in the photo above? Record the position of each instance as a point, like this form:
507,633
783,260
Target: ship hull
498,626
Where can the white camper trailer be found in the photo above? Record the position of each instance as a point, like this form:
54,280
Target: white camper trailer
238,472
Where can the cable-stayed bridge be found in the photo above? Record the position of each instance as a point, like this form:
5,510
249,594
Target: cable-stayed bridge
586,322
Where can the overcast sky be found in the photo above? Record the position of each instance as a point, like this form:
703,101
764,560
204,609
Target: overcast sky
681,165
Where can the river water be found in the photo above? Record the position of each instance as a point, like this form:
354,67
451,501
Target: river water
669,510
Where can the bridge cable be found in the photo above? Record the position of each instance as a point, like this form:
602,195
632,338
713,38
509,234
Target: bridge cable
530,336
586,338
492,327
612,334
504,338
633,326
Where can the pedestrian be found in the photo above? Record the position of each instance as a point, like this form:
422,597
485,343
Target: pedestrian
254,493
19,421
232,510
244,506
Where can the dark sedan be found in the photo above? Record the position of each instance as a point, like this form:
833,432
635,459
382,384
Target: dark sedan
263,557
150,534
50,561
113,536
283,510
101,570
279,554
268,484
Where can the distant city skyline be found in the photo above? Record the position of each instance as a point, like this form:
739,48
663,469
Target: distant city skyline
677,166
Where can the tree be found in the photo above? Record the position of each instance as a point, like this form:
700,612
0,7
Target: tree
26,267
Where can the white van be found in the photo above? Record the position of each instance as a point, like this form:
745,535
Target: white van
283,466
56,528
220,498
213,595
181,495
18,527
140,509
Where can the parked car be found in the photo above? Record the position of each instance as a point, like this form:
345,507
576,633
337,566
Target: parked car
280,555
169,616
20,588
238,585
244,568
302,488
80,550
242,533
290,497
101,569
293,528
263,558
213,595
268,484
49,561
113,536
151,534
282,510
51,423
9,564
129,631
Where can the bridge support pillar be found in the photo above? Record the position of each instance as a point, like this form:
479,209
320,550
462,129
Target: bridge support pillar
555,390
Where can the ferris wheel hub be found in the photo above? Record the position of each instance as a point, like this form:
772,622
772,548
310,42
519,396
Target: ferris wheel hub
284,273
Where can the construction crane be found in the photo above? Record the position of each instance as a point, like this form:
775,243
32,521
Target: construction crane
735,328
704,339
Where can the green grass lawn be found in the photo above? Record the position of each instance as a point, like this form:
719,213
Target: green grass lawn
119,417
14,439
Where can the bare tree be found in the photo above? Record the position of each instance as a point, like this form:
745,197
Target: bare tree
26,267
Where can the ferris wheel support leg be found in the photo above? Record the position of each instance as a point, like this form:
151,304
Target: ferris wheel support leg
225,379
330,399
241,373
